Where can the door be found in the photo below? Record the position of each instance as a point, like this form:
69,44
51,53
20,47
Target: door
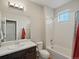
10,30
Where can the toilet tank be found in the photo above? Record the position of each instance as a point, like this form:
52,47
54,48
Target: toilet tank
40,45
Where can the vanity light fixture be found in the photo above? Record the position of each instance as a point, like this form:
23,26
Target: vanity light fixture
16,6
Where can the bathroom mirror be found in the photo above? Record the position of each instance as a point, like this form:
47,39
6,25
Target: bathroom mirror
16,28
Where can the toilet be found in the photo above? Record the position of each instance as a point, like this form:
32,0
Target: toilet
43,54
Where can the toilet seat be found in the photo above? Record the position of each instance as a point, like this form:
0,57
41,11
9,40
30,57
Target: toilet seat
44,54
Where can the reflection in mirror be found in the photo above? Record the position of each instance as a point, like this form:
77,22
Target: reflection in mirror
3,30
10,30
1,36
24,28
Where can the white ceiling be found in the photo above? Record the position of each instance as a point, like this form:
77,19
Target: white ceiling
51,3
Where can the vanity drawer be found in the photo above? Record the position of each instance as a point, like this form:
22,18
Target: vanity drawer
4,57
17,54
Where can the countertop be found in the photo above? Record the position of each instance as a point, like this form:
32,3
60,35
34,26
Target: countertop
20,45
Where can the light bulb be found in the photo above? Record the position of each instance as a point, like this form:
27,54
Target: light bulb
21,7
16,5
10,4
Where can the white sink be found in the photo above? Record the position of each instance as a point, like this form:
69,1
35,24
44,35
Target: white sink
12,47
3,49
18,45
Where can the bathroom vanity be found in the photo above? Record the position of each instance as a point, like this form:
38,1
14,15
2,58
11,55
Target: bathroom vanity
26,52
29,53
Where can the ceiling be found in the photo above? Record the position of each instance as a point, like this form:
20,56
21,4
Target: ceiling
51,3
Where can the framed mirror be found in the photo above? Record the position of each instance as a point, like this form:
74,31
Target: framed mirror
15,28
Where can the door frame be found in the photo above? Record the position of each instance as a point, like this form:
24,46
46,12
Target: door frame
12,21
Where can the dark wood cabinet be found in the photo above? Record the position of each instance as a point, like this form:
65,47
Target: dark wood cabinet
29,53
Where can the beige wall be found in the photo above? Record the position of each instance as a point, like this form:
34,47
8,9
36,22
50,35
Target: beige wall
35,12
64,32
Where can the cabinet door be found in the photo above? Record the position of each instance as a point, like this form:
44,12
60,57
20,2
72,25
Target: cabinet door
4,57
20,57
31,55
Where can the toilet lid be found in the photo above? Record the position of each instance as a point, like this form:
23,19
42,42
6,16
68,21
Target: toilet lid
44,53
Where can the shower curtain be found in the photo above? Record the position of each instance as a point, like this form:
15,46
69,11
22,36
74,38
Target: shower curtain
76,48
76,51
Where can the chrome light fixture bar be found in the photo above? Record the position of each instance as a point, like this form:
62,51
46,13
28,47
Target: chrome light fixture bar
16,6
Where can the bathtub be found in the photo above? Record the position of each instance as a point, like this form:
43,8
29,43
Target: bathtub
59,52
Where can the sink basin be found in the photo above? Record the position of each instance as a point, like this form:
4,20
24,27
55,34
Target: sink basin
16,46
12,47
3,49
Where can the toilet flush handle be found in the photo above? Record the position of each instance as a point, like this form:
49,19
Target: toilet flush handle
51,42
